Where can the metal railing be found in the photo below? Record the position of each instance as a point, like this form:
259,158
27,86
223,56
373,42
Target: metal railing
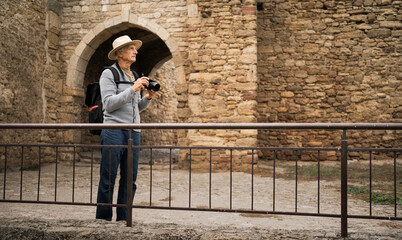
343,149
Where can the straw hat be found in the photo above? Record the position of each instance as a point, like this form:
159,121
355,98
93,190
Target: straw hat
121,42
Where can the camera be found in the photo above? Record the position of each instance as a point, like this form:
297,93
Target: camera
153,85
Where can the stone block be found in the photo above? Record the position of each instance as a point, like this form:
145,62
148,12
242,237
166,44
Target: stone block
66,99
249,9
177,59
237,119
133,19
311,48
247,108
84,51
234,52
357,98
379,33
351,35
85,9
195,104
171,44
82,65
195,89
282,109
126,7
180,75
287,94
100,27
54,40
301,74
54,23
206,141
74,78
245,86
246,142
110,26
248,59
76,9
391,24
311,79
125,15
100,38
358,18
73,91
249,132
397,33
249,95
192,10
142,21
153,26
88,37
163,34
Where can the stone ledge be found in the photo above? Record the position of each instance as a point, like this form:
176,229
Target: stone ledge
33,228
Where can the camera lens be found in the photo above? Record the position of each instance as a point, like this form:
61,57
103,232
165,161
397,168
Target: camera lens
153,85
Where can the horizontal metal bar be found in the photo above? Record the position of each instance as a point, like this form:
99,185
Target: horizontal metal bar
240,148
64,145
375,217
375,149
207,148
266,212
65,203
202,126
170,147
206,209
237,211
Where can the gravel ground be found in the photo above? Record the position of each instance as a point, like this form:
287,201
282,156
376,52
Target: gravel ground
39,221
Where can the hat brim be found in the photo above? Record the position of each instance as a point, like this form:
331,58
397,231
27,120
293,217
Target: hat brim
112,54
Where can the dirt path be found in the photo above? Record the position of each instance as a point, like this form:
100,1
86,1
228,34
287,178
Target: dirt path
78,222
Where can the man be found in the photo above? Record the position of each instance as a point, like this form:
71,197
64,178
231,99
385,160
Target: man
122,103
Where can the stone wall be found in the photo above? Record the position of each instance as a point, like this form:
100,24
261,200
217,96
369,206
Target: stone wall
22,64
29,78
215,61
221,71
329,61
239,61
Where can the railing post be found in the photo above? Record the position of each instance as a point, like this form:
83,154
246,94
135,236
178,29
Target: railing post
344,186
129,204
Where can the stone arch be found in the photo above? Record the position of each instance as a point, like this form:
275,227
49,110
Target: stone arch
95,37
98,40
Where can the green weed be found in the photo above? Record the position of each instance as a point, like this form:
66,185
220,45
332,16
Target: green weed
378,198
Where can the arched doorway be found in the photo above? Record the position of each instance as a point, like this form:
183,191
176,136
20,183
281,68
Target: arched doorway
154,61
159,58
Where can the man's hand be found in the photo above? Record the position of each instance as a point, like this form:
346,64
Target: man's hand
150,94
140,84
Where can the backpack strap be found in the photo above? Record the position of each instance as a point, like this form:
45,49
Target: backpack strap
116,75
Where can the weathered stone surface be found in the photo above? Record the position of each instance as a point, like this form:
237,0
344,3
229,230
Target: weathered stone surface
243,61
331,73
379,33
26,51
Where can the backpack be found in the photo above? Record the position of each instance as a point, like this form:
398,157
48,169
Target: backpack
94,101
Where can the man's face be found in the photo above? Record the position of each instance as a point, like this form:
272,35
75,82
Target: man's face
129,53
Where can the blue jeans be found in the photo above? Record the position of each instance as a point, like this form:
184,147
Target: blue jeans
108,172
